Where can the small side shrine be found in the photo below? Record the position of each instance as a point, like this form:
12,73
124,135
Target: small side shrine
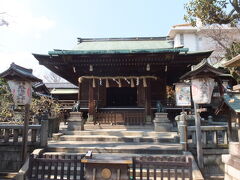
120,79
20,82
232,102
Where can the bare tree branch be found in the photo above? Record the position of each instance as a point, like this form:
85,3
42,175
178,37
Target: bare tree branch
3,21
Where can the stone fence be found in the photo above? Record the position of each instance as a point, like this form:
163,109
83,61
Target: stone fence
12,134
11,143
212,136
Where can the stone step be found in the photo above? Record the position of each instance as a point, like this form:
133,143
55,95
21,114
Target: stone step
122,132
108,138
109,147
109,126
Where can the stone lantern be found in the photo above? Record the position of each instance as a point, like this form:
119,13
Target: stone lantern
203,77
20,82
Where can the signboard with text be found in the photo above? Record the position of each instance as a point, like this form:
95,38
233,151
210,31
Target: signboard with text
202,89
21,91
183,95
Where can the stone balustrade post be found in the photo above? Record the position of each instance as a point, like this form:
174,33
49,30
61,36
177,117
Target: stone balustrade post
161,122
210,120
75,121
44,133
183,131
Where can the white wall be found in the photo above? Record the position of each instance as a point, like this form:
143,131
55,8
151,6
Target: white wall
190,41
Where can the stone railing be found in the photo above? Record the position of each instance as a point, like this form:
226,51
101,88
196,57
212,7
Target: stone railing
12,134
212,136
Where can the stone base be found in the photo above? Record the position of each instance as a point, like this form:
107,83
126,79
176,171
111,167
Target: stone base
162,123
148,120
232,162
75,121
90,119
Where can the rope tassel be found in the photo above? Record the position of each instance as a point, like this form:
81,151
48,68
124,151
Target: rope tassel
132,83
119,83
144,82
94,83
107,83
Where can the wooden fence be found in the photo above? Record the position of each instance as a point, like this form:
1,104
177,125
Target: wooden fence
126,118
12,134
55,167
165,167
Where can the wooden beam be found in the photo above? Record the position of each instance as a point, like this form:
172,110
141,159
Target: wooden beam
198,137
148,102
79,91
90,101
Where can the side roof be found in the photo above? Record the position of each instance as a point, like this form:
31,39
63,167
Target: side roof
65,85
202,68
234,62
233,101
15,71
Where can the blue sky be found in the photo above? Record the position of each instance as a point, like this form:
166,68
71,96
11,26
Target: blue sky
37,26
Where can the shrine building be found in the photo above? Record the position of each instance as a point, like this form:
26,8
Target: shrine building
120,79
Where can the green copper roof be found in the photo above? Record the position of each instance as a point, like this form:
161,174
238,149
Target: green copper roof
124,45
233,101
121,47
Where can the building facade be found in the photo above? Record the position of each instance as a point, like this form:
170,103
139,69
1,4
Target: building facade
202,38
120,79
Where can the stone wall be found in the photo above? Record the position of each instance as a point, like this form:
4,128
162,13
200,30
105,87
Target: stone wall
10,157
213,165
232,162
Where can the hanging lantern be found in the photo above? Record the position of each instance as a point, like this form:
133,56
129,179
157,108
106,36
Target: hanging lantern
148,67
91,68
202,89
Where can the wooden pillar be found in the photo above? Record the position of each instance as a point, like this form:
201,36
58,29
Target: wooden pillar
25,133
198,136
230,118
90,101
148,103
79,91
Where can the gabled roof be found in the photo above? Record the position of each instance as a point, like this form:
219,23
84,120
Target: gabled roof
202,68
41,88
63,85
233,101
121,46
234,62
18,72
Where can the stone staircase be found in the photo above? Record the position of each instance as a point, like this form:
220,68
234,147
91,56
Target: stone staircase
130,141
